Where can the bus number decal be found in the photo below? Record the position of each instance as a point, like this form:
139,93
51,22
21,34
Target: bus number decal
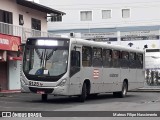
113,75
95,73
32,83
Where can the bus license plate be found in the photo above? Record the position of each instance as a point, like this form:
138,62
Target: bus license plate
40,92
33,83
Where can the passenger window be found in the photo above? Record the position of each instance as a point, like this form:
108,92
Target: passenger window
132,60
97,57
124,59
115,58
107,56
86,56
139,60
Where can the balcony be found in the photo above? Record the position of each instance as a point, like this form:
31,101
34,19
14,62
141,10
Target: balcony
24,33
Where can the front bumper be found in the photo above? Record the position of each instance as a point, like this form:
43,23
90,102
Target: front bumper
58,90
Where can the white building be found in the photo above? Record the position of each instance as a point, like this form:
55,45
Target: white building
19,19
127,22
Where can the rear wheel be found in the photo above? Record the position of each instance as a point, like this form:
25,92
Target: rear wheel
83,95
122,93
44,97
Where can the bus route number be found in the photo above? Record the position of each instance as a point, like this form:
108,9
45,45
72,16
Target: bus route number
32,83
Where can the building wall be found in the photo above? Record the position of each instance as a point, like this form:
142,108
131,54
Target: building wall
143,18
9,69
16,9
142,13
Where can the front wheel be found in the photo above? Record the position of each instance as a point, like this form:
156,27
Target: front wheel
44,97
83,95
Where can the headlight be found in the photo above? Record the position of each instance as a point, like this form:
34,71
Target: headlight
62,83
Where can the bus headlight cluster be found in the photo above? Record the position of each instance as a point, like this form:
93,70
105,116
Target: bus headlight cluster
62,83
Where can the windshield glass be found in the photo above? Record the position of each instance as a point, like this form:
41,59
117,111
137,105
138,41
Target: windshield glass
45,61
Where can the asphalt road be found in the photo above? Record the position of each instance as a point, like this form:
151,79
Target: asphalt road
134,101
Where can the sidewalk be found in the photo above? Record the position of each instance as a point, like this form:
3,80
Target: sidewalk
149,89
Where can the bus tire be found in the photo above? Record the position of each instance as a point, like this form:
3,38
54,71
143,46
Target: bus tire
44,97
122,93
83,95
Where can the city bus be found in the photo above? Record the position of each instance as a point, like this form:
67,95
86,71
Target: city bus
78,67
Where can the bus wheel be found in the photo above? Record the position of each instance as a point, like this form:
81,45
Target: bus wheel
83,95
122,93
44,97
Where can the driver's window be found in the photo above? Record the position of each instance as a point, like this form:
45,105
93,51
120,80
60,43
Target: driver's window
75,59
75,62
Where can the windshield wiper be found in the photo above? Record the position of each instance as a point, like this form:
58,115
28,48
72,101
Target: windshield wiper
48,56
38,53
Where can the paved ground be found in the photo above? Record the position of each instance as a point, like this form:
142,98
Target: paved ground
135,101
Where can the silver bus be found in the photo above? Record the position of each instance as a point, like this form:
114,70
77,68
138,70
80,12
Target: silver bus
77,67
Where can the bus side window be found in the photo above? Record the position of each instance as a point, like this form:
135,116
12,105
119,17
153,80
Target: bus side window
132,60
139,60
86,56
124,59
75,62
107,56
116,58
97,57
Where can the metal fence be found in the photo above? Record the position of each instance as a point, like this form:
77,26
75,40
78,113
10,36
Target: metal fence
24,33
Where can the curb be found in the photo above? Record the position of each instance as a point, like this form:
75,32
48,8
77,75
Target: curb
146,89
9,91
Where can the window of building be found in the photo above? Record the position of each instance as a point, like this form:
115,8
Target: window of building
86,56
21,21
6,17
56,18
86,15
36,24
125,13
106,14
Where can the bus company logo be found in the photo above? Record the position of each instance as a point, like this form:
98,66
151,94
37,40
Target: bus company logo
95,73
6,114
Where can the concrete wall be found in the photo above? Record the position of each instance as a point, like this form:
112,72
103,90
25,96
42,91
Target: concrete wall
143,12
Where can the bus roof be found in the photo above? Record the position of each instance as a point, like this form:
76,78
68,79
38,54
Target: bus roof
105,45
93,43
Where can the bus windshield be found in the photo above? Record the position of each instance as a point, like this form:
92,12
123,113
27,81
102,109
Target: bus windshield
45,59
51,62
